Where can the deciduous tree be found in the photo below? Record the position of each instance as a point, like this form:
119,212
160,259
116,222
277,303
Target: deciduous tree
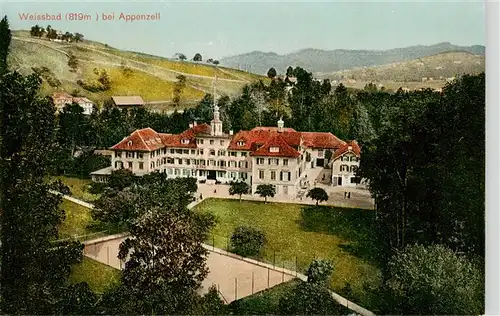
271,73
239,188
266,190
317,194
433,280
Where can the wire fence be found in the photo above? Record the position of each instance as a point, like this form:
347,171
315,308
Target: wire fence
293,261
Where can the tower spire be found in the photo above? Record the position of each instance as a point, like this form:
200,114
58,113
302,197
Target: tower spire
216,124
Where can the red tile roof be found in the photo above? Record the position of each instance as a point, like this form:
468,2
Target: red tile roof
258,140
127,100
145,139
321,140
354,148
276,141
258,136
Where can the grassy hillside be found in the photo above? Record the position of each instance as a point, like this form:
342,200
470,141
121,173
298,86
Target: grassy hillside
130,73
435,69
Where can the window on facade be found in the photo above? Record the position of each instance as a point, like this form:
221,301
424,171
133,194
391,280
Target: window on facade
221,153
163,161
274,149
201,151
140,155
193,152
187,161
185,172
281,175
152,154
212,162
289,176
130,165
246,164
233,164
152,165
239,164
202,162
233,154
172,151
354,168
118,153
170,160
273,161
176,172
222,143
273,175
185,151
344,168
211,142
193,173
179,161
261,174
164,151
170,171
285,162
354,158
345,158
212,152
193,162
260,161
141,165
243,154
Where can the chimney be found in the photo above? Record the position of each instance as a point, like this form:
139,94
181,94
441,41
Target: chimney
231,132
190,125
349,148
194,123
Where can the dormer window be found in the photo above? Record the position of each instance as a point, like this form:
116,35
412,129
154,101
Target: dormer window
241,143
185,141
129,143
274,149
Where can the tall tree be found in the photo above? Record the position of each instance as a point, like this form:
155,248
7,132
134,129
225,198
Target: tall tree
179,86
271,73
432,281
34,269
5,38
197,57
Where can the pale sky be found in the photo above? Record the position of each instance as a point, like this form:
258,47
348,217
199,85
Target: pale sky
217,29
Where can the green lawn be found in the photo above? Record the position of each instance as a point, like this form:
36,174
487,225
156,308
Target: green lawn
98,276
79,222
297,234
77,187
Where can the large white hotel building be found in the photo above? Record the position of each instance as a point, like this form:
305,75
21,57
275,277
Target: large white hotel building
263,155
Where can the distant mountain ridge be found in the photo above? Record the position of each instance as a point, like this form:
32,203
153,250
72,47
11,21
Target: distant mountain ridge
317,60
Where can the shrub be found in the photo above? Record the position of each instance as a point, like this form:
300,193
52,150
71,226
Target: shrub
60,187
247,241
309,299
319,271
